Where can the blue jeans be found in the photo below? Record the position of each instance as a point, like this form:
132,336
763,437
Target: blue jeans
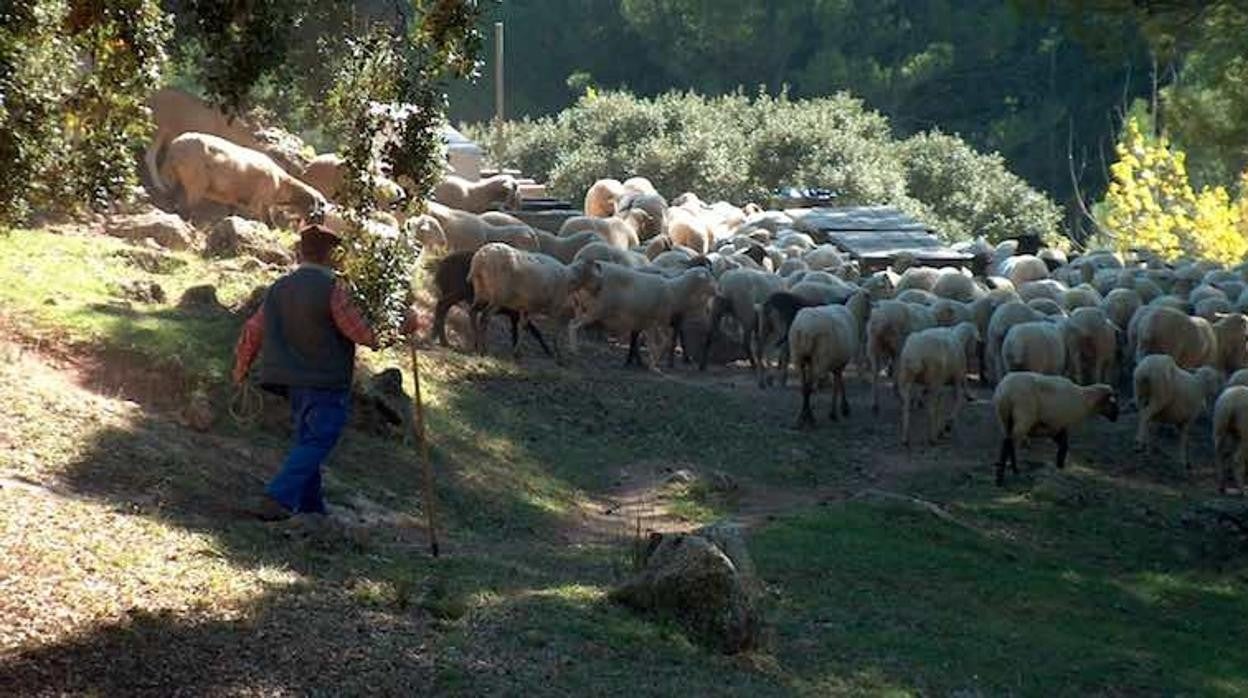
319,417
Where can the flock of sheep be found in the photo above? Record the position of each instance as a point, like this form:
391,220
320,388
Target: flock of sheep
1061,338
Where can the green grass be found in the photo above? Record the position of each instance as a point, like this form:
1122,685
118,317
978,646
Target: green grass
140,574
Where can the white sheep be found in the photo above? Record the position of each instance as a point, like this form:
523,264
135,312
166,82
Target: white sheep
601,196
1166,393
688,230
463,231
621,232
1033,404
1230,437
478,197
1023,269
1006,316
1052,289
200,166
922,278
891,322
935,358
1092,346
527,283
630,302
1035,347
823,340
954,285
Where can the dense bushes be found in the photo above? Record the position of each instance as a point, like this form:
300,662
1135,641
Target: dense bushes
742,149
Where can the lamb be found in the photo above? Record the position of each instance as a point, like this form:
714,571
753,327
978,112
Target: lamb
1036,347
886,332
203,166
619,232
1030,404
741,294
1168,394
627,301
564,249
478,197
824,340
528,283
1003,318
1092,346
451,279
935,358
601,197
1230,437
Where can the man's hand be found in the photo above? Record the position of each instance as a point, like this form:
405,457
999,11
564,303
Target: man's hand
240,373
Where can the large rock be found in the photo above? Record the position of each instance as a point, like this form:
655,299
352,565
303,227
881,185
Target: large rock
704,581
201,299
166,229
382,405
233,236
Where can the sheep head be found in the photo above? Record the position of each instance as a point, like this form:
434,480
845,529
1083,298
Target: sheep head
428,231
1105,401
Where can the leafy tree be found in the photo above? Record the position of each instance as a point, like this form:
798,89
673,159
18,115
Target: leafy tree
1151,205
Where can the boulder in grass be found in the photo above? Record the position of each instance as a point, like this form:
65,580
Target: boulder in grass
705,582
201,299
167,230
233,236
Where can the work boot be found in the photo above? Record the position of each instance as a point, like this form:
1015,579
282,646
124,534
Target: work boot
266,508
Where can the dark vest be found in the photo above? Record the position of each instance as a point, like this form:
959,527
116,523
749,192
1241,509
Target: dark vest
302,346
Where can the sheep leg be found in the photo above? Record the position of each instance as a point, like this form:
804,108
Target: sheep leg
905,414
784,363
838,388
1183,454
983,368
933,418
1007,454
875,384
656,347
439,319
1141,432
634,350
961,395
1062,438
747,342
573,326
710,337
520,317
806,420
536,334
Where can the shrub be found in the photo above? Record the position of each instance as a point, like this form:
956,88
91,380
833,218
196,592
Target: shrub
741,148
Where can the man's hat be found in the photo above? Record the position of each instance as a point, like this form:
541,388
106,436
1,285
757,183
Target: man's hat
316,230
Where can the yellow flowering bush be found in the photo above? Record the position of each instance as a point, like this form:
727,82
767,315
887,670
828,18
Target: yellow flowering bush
1151,205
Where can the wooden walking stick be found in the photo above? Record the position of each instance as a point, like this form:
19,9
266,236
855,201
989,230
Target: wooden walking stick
418,426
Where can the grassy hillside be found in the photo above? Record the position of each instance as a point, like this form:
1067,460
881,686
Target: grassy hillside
127,568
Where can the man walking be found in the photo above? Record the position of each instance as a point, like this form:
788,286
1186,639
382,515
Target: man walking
305,334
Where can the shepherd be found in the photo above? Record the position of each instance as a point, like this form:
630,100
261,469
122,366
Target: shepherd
305,334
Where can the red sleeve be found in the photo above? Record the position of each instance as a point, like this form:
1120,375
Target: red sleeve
349,320
249,343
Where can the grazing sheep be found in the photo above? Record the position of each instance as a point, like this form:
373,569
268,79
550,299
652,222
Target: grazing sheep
528,283
450,278
824,340
1033,404
601,197
200,166
741,294
478,197
1003,318
1092,346
1230,437
886,332
465,231
1035,347
618,232
627,301
564,249
935,358
1168,394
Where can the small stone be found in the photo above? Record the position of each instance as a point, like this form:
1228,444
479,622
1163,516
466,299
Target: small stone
198,413
166,230
233,236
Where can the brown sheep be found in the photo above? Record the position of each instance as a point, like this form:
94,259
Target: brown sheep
205,167
601,197
327,172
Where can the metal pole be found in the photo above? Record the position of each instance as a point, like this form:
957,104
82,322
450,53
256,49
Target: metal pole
498,71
